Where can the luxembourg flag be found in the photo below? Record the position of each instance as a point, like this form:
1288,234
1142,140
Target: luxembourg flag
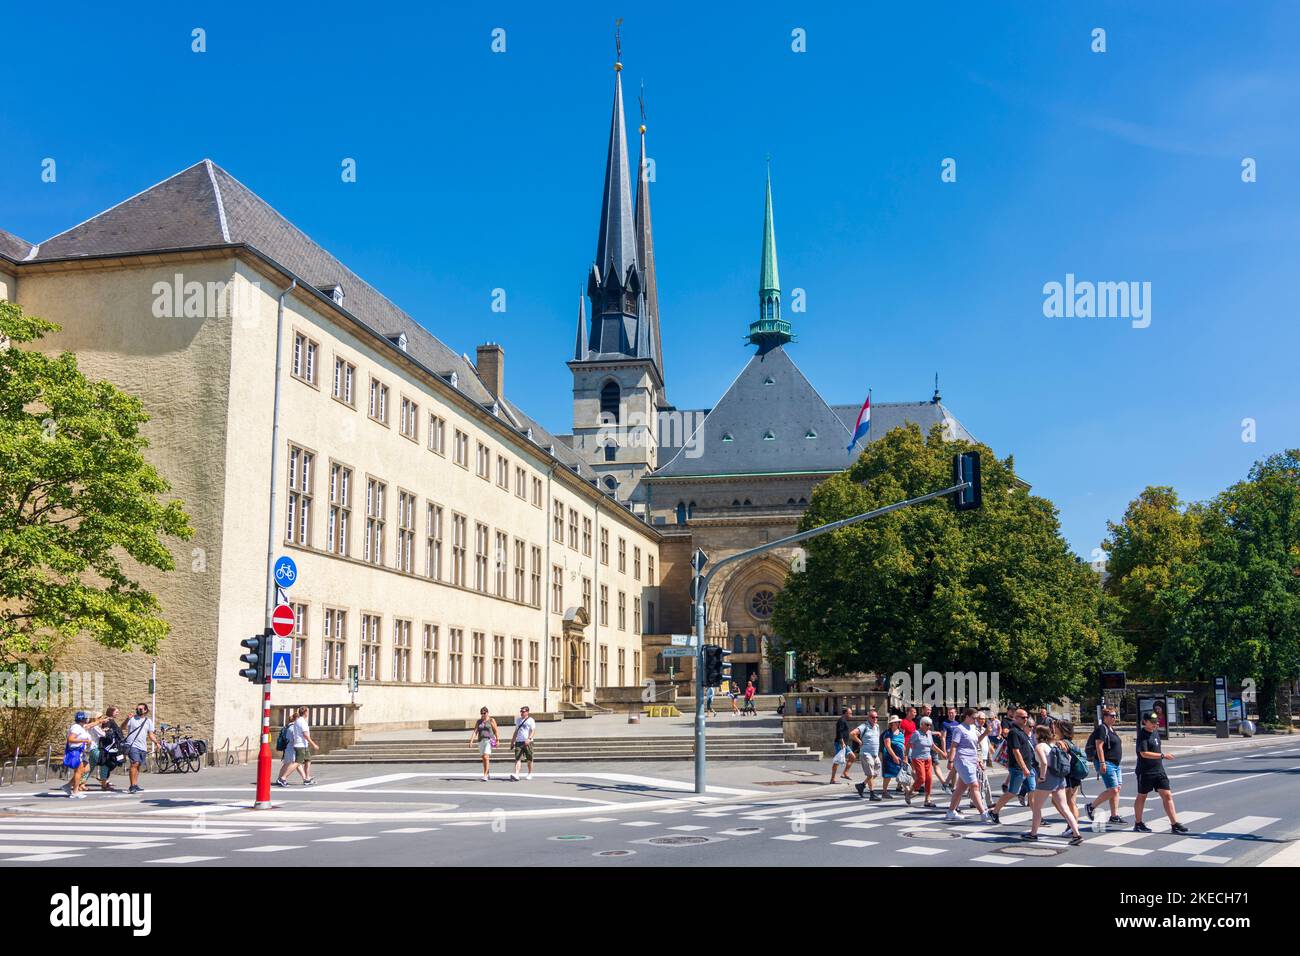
864,422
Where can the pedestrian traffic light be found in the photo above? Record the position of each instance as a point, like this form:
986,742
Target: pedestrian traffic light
966,468
258,658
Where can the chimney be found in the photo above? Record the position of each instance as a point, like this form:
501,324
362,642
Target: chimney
492,367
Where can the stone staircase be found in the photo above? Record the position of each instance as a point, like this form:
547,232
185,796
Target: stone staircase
757,747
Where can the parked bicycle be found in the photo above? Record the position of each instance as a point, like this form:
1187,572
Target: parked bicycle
181,752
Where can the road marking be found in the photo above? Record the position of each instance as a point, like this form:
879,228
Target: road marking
184,859
641,823
342,839
1130,850
856,844
1209,859
412,830
923,850
741,833
1289,855
268,848
995,858
22,848
598,819
687,828
795,837
40,857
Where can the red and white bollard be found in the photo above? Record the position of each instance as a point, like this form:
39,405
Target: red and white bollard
264,756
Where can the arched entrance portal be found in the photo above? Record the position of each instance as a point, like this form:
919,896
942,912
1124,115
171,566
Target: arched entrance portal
576,657
746,601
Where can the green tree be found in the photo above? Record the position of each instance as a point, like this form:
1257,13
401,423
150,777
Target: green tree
1148,551
995,589
78,502
1235,609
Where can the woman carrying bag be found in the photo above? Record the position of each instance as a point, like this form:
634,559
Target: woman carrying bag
486,736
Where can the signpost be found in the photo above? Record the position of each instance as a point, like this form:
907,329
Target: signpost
684,640
283,620
679,652
286,572
1221,707
281,658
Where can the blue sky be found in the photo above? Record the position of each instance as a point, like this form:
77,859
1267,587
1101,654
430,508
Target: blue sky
479,170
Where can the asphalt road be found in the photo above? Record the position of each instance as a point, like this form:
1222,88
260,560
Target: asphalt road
1241,801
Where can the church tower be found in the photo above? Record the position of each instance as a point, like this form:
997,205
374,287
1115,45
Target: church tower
617,365
770,330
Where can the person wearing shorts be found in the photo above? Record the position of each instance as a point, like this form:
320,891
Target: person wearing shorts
867,737
522,742
1106,750
1051,784
139,732
1151,775
842,748
485,736
963,739
1022,775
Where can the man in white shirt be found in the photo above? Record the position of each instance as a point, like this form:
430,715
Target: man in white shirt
522,741
139,733
302,744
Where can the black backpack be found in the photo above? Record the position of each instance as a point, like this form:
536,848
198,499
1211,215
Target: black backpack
282,742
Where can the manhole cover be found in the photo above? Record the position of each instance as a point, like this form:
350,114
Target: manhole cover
614,853
932,834
570,837
678,841
1029,850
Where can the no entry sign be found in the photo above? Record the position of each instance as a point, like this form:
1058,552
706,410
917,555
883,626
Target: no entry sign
282,620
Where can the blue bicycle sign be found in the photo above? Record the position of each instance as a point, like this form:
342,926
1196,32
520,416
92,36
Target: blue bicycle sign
286,572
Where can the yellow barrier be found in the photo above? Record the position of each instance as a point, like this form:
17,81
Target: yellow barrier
662,710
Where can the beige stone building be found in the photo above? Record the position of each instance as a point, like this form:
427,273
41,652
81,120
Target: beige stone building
448,546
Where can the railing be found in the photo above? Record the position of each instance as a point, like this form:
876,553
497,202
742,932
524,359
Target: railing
322,716
831,705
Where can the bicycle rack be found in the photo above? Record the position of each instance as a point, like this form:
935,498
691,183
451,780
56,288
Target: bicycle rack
13,777
244,748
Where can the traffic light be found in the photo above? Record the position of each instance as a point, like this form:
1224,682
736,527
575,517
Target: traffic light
258,658
716,666
966,467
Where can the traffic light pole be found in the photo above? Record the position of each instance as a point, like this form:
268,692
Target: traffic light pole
701,585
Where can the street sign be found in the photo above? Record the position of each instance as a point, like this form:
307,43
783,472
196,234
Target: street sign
1113,680
354,678
286,572
679,652
684,640
283,620
281,658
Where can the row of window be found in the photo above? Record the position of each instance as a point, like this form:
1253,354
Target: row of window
685,510
440,657
558,526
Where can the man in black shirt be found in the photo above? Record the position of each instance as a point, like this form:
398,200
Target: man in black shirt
1105,750
1151,775
842,749
1022,767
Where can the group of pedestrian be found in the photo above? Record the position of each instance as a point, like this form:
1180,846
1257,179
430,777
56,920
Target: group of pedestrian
296,743
487,737
1043,763
103,744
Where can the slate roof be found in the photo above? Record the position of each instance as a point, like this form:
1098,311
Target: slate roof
11,247
771,397
204,206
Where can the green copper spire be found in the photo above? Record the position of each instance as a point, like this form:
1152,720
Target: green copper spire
770,330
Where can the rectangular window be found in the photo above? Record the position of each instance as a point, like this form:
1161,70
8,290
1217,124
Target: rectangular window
460,448
604,546
409,424
534,649
333,642
556,674
586,663
482,462
535,579
537,492
586,536
636,615
603,661
456,656
375,493
369,663
459,543
498,660
429,672
586,595
557,589
433,542
649,617
401,650
478,657
521,483
604,605
520,571
304,358
345,374
437,434
378,401
340,519
299,639
501,560
480,557
516,662
650,569
622,556
573,529
622,610
636,668
636,563
298,527
405,532
622,664
557,521
503,472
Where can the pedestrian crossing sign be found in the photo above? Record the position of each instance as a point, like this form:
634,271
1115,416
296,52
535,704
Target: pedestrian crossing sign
280,667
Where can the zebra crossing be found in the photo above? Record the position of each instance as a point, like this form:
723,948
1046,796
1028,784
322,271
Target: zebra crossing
790,820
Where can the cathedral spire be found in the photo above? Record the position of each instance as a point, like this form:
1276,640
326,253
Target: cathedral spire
580,342
645,253
770,330
615,284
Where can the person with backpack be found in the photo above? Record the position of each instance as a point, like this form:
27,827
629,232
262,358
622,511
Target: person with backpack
111,748
284,744
1022,766
1078,764
139,734
1054,764
74,754
302,742
485,735
1106,750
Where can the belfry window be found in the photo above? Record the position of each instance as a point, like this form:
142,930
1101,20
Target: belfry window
681,512
609,402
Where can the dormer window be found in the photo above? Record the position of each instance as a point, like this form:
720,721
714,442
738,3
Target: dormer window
769,381
810,434
335,292
728,437
769,435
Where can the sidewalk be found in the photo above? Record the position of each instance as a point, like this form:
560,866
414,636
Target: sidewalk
608,725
